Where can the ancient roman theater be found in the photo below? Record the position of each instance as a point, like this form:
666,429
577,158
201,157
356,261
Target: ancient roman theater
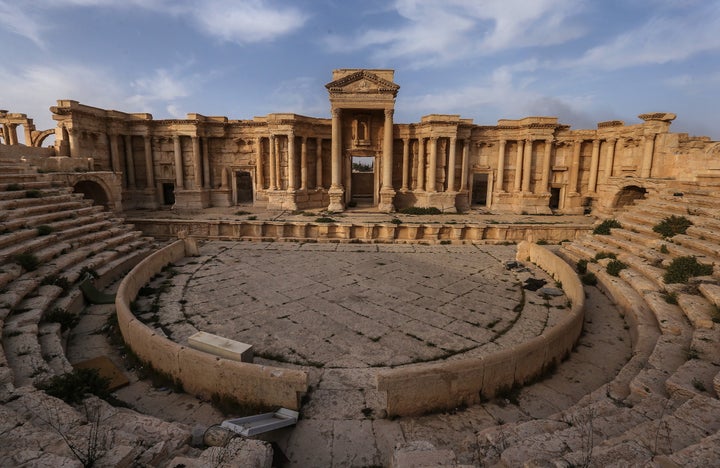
429,293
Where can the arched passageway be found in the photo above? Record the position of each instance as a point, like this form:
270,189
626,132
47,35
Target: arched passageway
93,191
628,195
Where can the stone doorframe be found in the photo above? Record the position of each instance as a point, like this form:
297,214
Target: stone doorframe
234,170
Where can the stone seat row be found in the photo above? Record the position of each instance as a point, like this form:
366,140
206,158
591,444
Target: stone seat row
663,404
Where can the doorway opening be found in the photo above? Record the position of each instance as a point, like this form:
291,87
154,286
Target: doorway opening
628,195
168,193
362,181
244,187
554,198
480,189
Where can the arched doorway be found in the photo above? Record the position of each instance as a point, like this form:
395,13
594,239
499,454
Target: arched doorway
93,191
628,195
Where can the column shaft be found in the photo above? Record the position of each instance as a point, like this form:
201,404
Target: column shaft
206,163
518,165
405,163
501,167
421,165
610,159
648,149
318,164
149,170
115,153
387,150
259,164
271,158
291,162
464,165
303,164
451,165
527,166
575,168
431,184
335,154
594,162
129,162
197,163
545,178
278,166
72,136
179,177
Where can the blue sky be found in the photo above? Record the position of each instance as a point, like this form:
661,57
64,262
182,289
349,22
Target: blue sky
584,61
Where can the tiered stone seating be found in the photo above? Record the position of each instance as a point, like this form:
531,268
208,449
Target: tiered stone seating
663,405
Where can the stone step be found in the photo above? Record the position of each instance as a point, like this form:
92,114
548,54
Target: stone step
705,452
47,198
55,216
711,293
16,237
9,179
23,353
51,345
670,317
694,377
709,248
625,245
29,245
705,232
646,239
46,189
17,290
697,309
73,205
677,250
29,184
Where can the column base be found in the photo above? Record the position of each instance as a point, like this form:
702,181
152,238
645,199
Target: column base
386,201
191,199
281,200
337,203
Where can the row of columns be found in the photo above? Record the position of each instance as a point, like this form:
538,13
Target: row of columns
275,176
428,182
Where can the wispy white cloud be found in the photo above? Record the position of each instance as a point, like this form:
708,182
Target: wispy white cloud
242,22
439,32
302,95
675,33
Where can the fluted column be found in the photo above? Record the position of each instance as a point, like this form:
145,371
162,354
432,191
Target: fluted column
129,162
292,184
272,184
197,163
575,168
648,149
464,165
609,159
206,163
405,163
527,166
335,153
303,164
501,167
179,179
421,165
594,162
12,139
259,164
387,151
431,185
318,164
278,166
451,165
518,165
149,170
72,137
545,177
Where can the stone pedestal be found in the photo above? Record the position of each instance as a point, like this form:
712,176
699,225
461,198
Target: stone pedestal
281,200
191,199
336,199
462,201
386,201
443,201
221,197
532,203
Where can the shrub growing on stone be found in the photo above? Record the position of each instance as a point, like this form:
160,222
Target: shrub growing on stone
13,187
589,278
416,210
604,227
683,268
603,254
34,193
582,266
614,267
44,230
324,219
67,320
672,225
73,387
27,260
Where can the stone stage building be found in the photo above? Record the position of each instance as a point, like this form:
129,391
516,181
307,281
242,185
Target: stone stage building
361,157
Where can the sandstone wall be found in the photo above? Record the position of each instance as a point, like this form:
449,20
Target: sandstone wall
201,373
418,389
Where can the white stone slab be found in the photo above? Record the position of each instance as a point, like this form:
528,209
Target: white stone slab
219,346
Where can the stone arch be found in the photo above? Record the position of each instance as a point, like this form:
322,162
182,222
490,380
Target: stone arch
41,136
628,194
94,191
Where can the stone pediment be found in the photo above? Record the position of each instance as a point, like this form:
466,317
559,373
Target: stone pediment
362,81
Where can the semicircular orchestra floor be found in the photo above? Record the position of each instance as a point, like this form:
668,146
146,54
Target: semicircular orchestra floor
354,305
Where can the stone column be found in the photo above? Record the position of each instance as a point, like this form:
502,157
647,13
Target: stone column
405,163
336,189
278,165
72,136
291,162
259,164
129,162
501,167
318,163
421,165
648,149
197,163
273,184
594,162
387,151
431,185
575,168
206,163
610,159
303,164
12,139
464,165
336,156
115,153
545,178
527,166
518,166
149,170
451,165
179,182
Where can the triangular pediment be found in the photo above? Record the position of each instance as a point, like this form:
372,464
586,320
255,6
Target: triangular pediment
362,81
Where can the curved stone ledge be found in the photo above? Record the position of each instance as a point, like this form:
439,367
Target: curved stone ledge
362,232
201,373
419,389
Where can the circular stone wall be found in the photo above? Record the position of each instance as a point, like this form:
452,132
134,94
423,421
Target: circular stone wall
354,305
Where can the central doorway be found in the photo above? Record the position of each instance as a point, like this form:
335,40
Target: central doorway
362,181
480,189
244,184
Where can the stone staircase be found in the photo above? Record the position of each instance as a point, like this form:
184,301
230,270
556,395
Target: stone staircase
662,409
49,238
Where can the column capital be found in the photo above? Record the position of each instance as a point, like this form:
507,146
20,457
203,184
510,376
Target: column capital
611,140
291,134
336,112
389,112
